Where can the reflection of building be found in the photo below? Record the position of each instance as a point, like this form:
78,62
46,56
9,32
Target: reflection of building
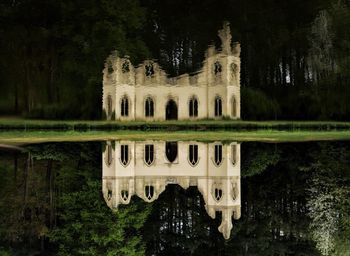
145,168
146,93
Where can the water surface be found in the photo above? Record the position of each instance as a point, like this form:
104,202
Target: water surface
184,198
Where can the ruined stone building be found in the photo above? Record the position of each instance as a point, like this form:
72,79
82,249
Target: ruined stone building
144,168
146,93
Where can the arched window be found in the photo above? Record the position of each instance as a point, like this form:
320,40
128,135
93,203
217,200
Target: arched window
149,107
218,154
193,154
217,68
124,107
193,107
124,194
233,107
149,70
109,105
218,106
149,192
217,194
109,157
234,154
149,154
124,154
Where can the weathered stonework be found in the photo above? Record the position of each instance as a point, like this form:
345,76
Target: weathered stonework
144,168
146,93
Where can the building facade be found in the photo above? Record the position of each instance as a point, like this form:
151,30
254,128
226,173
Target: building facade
146,93
145,168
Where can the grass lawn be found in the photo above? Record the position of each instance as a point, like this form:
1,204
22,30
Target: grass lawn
20,137
199,125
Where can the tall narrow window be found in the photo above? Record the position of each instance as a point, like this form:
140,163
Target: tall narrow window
193,154
109,157
218,106
218,194
149,154
124,154
109,105
233,107
149,107
234,154
149,192
124,107
193,107
217,68
218,154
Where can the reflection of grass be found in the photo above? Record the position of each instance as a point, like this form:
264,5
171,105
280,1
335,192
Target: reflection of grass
260,135
24,124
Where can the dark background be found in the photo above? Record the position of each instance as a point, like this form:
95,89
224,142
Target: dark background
295,54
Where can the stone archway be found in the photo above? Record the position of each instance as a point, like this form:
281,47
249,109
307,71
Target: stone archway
171,110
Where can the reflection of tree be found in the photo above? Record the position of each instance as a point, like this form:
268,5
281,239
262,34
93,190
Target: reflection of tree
88,227
273,222
329,198
57,187
256,157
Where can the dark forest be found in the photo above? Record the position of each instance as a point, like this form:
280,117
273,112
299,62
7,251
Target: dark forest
295,54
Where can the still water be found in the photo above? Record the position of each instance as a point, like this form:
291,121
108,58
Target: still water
175,198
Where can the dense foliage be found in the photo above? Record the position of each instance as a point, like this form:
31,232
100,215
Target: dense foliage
295,54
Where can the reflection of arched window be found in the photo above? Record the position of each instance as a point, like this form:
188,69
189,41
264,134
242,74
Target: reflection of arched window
218,106
125,67
124,106
109,105
193,154
217,194
149,192
124,154
193,107
149,107
234,154
233,107
110,68
124,194
218,154
109,157
149,154
171,151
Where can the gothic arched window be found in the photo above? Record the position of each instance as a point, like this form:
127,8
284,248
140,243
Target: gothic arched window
218,106
149,70
149,107
193,107
217,68
193,154
149,154
124,154
218,154
124,106
149,192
